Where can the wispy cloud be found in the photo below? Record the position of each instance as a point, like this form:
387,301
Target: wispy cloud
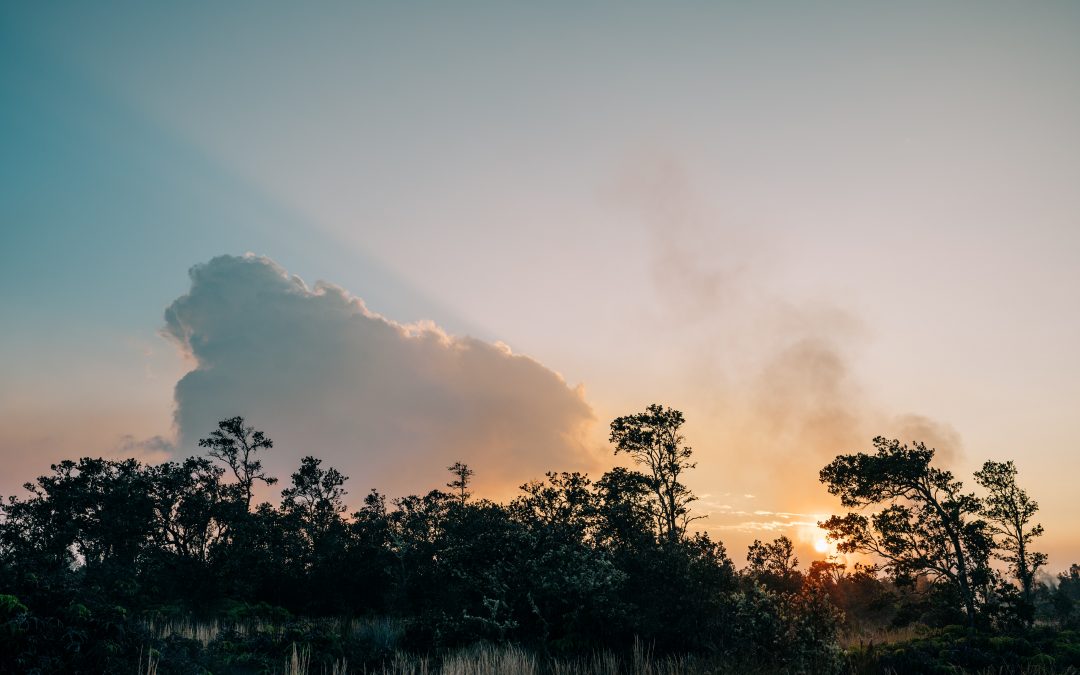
777,374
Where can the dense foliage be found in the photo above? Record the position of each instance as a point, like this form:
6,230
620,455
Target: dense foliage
101,554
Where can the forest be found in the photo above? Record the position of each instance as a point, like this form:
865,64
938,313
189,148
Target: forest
115,566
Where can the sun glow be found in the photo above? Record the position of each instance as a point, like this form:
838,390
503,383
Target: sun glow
815,538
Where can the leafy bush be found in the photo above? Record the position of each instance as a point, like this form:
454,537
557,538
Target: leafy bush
960,649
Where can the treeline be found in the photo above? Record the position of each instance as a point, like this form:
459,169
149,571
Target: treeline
98,547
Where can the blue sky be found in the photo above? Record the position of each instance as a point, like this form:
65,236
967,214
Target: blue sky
105,205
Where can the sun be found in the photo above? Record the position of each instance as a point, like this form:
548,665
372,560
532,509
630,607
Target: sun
821,545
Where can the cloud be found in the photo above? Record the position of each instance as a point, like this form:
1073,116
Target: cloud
697,266
805,396
155,449
775,361
942,437
391,405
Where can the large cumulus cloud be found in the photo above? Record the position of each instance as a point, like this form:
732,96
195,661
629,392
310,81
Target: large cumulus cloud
390,404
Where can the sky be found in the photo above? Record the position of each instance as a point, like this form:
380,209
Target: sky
396,235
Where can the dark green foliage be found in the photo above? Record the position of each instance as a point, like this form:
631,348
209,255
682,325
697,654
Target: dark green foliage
1062,604
99,552
957,649
796,632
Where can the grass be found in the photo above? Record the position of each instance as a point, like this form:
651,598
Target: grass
509,659
152,660
383,632
880,636
489,659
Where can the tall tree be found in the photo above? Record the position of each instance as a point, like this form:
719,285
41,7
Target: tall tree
928,526
652,438
236,444
463,475
1010,510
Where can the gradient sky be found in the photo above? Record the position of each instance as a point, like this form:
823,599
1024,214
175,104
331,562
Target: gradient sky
803,226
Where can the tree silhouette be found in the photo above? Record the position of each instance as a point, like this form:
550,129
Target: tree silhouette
570,566
652,438
461,484
774,564
565,500
187,498
316,495
1010,510
627,515
928,526
235,445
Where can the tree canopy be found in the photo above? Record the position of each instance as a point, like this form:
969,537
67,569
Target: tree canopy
572,564
652,438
